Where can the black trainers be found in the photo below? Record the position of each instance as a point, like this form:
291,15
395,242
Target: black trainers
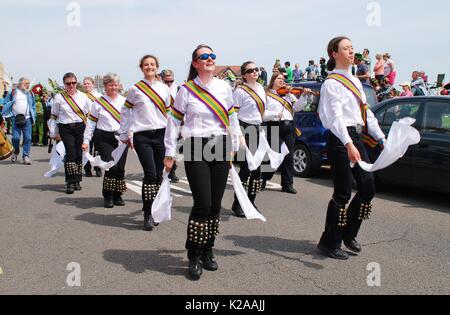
333,253
149,224
289,190
70,189
195,268
118,201
77,186
208,262
174,178
353,245
237,209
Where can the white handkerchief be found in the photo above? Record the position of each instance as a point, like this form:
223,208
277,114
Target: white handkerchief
249,210
162,205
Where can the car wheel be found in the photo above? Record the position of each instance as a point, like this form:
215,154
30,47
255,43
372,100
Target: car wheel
302,161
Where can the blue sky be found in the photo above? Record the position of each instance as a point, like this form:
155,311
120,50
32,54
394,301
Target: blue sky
114,34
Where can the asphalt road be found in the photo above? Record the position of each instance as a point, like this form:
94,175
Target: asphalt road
43,231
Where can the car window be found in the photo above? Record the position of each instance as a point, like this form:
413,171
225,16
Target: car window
312,103
397,111
437,116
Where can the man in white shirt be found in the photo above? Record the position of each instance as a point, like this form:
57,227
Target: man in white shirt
167,78
21,106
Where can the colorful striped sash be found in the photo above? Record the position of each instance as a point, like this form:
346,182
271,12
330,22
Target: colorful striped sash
283,102
109,108
74,106
255,97
172,101
153,96
347,83
219,111
91,96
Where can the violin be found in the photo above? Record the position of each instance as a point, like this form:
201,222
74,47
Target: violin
297,91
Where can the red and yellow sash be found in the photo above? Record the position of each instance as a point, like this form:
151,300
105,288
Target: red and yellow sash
283,102
153,96
347,83
255,97
109,108
213,104
73,105
90,96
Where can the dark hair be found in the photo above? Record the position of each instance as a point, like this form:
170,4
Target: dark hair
311,62
192,71
333,46
69,75
272,80
365,49
141,63
243,68
287,63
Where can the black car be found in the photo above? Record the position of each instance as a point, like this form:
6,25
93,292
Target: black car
427,164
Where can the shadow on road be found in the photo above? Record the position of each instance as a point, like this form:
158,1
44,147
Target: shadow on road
125,221
81,202
275,246
410,196
57,187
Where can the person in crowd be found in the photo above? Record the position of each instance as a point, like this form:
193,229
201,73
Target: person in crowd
142,125
20,107
211,132
102,126
263,76
340,110
298,73
92,94
250,104
67,123
379,68
323,68
418,86
406,86
289,72
311,71
167,78
362,69
389,69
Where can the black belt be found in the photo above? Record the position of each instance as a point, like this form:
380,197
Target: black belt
356,129
280,123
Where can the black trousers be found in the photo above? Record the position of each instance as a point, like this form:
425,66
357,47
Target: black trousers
72,137
114,179
92,150
207,180
149,146
342,223
286,134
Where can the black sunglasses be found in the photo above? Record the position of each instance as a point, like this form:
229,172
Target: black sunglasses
248,71
70,83
206,56
171,81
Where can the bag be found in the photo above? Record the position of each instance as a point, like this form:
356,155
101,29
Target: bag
20,120
6,148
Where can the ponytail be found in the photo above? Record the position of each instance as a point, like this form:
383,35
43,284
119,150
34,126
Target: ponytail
333,46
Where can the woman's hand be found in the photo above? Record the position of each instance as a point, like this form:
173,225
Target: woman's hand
85,147
129,142
168,163
280,115
307,91
57,137
353,153
242,142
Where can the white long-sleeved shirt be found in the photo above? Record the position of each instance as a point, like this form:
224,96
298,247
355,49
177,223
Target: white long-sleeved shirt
62,113
141,114
91,96
246,106
274,108
199,121
339,109
101,119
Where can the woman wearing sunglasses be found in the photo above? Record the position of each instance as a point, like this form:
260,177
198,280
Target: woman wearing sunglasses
69,109
250,104
210,126
279,118
142,125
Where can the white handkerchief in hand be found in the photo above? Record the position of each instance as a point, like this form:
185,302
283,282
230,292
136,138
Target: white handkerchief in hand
162,205
401,136
56,159
248,208
254,161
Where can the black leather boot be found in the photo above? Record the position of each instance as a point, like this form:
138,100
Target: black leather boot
69,189
118,201
195,268
237,209
208,261
149,224
108,199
